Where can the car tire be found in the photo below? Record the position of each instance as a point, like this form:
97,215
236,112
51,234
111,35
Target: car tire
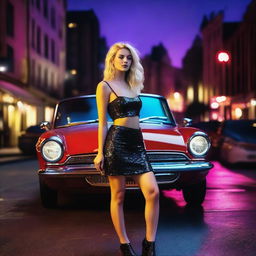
49,197
195,194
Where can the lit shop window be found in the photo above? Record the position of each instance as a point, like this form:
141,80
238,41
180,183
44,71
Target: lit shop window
31,115
190,94
238,113
200,93
20,105
7,98
48,114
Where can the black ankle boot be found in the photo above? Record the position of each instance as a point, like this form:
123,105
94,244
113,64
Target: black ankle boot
127,250
148,248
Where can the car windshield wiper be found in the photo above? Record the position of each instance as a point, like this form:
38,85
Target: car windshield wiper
157,118
78,123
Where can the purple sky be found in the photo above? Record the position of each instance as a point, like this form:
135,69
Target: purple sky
145,23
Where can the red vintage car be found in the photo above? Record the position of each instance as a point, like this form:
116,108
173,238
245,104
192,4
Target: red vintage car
67,149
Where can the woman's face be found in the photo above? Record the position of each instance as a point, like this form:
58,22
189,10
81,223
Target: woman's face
123,60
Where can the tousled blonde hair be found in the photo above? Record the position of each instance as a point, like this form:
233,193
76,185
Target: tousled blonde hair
135,75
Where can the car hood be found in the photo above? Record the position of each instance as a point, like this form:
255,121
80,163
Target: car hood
83,139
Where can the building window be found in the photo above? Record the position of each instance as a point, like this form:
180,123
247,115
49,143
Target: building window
46,8
53,19
38,40
46,46
10,58
52,80
46,77
32,72
39,75
52,50
60,27
38,4
33,28
72,25
10,20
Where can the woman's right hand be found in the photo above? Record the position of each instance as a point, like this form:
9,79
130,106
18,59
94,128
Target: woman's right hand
98,163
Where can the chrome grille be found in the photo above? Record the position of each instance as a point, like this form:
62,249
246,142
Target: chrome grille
153,157
166,157
102,181
98,180
80,159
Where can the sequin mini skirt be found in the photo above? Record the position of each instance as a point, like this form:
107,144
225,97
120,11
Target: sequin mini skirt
124,152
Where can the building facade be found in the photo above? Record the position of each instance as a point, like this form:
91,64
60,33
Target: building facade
164,79
84,50
32,63
47,46
230,85
159,74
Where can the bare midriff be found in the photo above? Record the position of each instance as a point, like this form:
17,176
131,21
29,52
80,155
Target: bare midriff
131,122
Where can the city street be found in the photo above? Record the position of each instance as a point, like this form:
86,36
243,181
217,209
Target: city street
225,225
120,87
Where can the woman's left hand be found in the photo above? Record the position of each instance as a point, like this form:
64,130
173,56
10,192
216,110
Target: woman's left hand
98,163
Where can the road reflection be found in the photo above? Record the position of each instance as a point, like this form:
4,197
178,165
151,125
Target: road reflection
227,190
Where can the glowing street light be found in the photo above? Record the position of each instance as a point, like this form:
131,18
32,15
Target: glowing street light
176,95
214,105
238,113
3,68
221,99
223,56
253,102
4,64
72,25
73,72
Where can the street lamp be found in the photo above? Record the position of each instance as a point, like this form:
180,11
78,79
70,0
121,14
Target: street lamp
4,65
3,68
223,56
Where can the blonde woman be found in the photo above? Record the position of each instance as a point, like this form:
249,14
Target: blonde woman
121,149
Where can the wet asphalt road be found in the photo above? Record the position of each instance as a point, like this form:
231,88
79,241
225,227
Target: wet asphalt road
225,225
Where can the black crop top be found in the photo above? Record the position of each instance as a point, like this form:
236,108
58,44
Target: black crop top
123,106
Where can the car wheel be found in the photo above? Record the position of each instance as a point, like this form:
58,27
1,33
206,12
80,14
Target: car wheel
49,197
195,194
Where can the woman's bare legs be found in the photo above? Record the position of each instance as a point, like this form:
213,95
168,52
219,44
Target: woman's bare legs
149,188
117,187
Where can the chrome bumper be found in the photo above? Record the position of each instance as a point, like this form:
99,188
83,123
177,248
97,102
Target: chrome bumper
166,173
188,166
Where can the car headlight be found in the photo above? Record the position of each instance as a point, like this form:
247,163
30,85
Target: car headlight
199,144
52,149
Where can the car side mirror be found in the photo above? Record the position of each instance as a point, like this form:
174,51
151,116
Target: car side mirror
45,125
187,121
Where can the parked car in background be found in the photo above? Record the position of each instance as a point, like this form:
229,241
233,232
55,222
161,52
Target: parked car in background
237,141
67,149
27,140
210,127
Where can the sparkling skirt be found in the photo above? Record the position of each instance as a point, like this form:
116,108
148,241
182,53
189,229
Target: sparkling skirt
124,152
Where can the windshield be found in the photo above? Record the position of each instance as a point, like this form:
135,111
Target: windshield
241,130
83,110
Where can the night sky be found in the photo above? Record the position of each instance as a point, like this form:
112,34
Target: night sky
145,23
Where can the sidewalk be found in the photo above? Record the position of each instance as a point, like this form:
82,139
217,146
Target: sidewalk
10,155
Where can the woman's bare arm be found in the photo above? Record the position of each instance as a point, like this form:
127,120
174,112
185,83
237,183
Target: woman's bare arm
102,97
